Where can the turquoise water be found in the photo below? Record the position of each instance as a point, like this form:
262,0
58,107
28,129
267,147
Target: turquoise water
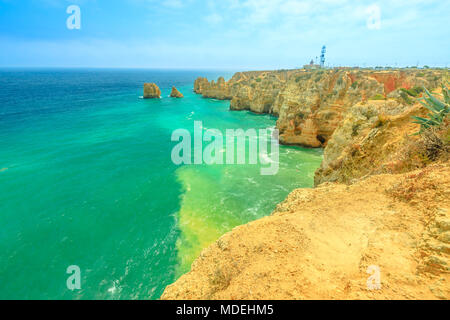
86,179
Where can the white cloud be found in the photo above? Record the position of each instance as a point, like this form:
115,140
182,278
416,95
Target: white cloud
176,4
214,18
293,7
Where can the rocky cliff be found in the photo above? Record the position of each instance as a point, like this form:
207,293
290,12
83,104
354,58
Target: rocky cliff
311,104
382,200
175,93
377,136
151,91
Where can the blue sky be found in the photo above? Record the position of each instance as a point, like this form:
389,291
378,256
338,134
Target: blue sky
228,34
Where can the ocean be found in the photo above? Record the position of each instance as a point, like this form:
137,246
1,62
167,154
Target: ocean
86,179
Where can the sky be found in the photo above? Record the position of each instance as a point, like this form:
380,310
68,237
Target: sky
224,34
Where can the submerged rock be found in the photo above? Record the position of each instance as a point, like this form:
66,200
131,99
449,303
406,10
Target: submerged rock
175,93
151,91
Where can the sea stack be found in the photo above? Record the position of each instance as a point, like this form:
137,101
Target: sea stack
175,93
151,91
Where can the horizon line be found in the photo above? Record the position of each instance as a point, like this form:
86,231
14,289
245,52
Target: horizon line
425,66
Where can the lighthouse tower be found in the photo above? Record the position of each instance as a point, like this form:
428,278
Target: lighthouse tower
322,56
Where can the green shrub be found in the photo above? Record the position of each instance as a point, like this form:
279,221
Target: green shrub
381,121
378,96
329,115
438,110
355,129
305,76
414,92
417,90
406,98
368,113
301,115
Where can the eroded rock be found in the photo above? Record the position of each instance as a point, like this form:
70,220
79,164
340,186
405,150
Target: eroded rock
175,93
151,91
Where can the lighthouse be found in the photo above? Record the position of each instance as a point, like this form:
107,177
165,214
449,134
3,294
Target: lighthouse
322,56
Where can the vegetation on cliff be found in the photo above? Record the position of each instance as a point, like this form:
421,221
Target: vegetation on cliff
438,110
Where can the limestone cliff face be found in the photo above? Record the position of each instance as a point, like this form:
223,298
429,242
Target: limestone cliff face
151,91
369,137
375,137
199,84
254,90
175,93
219,90
311,103
258,91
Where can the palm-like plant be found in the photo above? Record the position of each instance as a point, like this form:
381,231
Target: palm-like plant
438,109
